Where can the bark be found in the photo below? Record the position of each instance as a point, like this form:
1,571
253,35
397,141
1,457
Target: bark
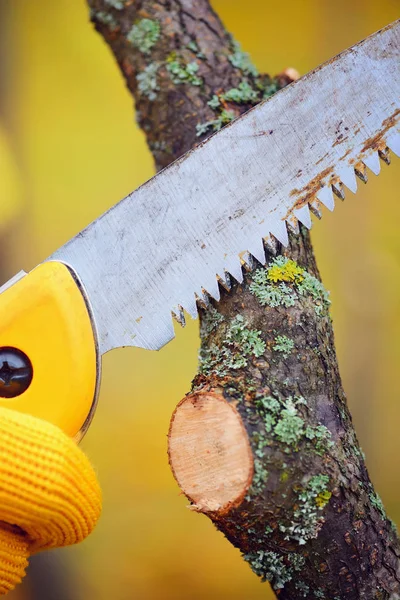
308,520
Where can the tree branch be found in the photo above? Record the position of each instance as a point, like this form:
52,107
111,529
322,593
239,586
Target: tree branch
269,453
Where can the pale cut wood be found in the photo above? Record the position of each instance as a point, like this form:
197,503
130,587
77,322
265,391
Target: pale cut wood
209,452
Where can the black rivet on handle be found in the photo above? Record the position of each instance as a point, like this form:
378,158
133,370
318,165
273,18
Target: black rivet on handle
16,372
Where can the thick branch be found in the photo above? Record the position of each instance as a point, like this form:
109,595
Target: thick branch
296,498
176,56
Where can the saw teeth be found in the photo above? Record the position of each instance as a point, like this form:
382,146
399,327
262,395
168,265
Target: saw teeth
211,290
271,245
338,190
293,224
225,282
372,162
279,231
384,155
190,306
234,268
325,195
303,215
178,315
315,207
393,142
204,300
361,172
248,261
257,250
348,177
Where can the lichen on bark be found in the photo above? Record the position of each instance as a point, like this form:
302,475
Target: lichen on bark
310,522
311,496
187,74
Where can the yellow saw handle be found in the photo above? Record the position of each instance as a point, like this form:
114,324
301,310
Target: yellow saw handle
46,327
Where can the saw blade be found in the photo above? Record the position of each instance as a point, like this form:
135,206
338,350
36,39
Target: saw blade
181,235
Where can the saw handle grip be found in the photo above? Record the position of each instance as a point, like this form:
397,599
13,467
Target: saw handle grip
47,346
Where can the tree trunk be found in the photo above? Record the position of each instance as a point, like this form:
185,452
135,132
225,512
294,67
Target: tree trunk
264,444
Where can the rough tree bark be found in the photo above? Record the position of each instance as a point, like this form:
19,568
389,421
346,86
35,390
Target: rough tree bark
296,498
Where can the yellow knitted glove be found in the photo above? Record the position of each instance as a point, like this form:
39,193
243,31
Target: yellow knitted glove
49,493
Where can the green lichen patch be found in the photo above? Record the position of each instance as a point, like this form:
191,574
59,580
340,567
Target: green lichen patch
195,49
260,474
241,60
283,282
289,429
118,4
311,286
182,73
303,588
103,17
297,561
316,486
239,345
243,94
307,518
267,86
249,340
268,530
271,295
269,424
225,117
214,102
251,90
281,419
272,567
268,403
320,437
283,422
211,318
144,35
260,441
147,81
393,526
284,345
192,46
356,449
377,503
157,145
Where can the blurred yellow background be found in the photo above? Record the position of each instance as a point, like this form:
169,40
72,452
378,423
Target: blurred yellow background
70,148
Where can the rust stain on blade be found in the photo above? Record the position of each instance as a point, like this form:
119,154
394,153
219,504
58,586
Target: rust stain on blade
328,177
305,195
377,142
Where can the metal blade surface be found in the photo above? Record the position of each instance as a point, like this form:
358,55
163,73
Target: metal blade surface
164,244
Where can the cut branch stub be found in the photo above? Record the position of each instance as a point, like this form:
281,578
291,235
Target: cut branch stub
209,452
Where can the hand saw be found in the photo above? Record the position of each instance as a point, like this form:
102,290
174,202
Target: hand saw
178,237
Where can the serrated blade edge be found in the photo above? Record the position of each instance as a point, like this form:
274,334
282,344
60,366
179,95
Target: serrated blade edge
158,247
